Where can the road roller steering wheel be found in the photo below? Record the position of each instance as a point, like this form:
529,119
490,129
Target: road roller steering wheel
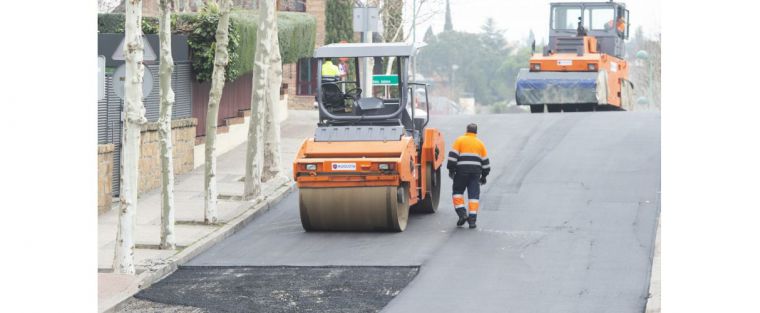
354,94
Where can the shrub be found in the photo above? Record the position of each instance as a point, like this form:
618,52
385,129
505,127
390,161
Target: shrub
202,42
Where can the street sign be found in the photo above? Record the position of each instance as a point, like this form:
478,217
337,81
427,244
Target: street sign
117,81
366,19
148,54
384,80
101,77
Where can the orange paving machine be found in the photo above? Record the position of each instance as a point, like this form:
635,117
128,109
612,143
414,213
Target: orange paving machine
372,158
582,68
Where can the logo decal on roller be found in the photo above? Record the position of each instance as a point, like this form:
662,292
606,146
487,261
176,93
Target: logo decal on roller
344,166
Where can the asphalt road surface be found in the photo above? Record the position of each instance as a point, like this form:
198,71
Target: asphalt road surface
567,224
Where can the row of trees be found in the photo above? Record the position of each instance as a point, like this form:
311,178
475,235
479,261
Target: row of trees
263,162
483,63
639,72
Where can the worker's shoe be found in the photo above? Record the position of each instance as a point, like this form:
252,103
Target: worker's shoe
471,221
462,216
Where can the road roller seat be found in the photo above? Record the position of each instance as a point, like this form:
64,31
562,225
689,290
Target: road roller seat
332,96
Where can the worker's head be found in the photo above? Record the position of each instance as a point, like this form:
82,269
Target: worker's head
328,60
472,128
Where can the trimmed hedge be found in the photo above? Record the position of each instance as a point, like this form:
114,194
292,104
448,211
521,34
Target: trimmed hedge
297,34
114,23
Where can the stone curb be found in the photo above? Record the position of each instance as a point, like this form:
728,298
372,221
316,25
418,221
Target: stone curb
255,209
655,280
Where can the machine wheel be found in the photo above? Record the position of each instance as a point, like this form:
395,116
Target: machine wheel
400,214
433,195
553,108
586,107
537,108
570,108
355,208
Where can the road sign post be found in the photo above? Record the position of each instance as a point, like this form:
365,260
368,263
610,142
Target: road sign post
385,80
366,21
117,81
148,54
101,77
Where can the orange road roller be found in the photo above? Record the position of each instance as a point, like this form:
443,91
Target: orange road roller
372,158
582,68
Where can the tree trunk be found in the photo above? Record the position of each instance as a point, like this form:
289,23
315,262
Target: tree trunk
166,94
272,150
134,118
261,64
221,58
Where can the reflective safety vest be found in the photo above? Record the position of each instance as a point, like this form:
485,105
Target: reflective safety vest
329,69
621,26
468,155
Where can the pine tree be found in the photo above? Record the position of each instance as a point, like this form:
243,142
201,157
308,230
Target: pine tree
448,26
429,34
338,17
531,37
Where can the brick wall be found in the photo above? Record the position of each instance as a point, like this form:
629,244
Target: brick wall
150,8
289,74
105,175
183,140
316,8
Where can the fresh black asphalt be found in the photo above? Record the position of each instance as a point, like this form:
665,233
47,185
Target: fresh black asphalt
567,224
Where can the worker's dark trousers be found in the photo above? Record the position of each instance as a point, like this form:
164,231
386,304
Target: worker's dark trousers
471,182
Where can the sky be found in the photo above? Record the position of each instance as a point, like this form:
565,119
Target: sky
518,17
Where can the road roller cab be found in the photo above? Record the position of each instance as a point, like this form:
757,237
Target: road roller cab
372,158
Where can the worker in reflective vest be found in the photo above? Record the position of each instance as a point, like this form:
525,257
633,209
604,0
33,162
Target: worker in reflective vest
330,71
468,166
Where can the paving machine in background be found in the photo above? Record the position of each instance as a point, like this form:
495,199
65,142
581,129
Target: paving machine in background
582,68
371,159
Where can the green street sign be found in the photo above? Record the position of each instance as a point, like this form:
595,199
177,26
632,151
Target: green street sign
384,80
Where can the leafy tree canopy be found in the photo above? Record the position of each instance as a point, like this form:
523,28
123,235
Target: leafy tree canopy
486,65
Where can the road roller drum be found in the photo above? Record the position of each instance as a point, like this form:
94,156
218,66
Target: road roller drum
383,208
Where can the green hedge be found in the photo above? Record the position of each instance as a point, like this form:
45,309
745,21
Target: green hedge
297,34
114,23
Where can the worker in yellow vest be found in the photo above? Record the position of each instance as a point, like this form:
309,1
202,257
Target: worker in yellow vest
330,71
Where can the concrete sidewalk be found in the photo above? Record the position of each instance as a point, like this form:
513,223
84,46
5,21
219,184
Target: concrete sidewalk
193,237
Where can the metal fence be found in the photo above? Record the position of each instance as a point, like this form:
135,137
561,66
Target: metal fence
110,110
